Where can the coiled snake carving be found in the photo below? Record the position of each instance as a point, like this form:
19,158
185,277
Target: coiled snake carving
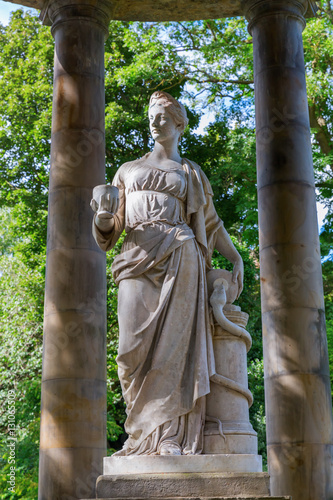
218,300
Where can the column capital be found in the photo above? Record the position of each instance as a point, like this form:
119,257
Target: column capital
257,10
57,12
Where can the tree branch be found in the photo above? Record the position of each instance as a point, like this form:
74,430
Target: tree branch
318,124
328,185
195,46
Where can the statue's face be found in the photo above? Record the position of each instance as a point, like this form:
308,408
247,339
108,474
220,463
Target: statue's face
162,124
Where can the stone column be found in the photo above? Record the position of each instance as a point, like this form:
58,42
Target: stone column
297,384
73,420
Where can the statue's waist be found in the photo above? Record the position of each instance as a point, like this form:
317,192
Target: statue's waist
159,226
158,194
145,207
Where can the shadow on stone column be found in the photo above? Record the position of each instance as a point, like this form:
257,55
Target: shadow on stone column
297,382
73,420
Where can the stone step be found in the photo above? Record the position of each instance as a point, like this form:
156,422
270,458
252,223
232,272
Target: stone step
198,498
183,485
155,464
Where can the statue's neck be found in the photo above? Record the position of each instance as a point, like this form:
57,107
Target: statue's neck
165,152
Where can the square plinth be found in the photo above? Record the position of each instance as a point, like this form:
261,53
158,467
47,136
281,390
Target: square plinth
156,464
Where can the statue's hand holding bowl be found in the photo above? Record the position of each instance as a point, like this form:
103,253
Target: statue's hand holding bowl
105,201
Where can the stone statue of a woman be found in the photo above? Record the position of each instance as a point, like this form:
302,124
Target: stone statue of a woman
165,356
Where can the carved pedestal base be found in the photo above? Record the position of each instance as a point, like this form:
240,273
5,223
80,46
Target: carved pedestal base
182,485
177,477
198,498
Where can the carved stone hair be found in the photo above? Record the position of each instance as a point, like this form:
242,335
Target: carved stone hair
175,108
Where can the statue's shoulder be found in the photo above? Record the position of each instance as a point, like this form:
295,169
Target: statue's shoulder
128,165
131,163
195,169
124,170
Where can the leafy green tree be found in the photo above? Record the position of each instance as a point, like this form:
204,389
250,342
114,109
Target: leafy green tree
21,322
26,68
318,47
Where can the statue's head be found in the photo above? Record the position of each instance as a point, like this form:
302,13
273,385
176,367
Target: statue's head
175,108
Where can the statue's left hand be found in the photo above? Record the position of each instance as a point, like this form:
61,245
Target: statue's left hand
238,275
105,201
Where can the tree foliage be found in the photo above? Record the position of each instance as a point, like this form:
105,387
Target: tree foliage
21,324
318,49
208,64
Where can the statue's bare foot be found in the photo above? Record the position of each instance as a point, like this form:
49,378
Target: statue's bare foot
170,449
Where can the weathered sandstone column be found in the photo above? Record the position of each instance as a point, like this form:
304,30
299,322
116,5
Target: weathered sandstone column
297,384
73,421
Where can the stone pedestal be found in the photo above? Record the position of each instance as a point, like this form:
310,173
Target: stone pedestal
190,476
200,498
155,464
182,485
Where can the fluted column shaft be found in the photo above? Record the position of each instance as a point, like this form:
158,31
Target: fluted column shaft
297,383
73,421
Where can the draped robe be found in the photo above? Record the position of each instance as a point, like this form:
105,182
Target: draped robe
165,357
